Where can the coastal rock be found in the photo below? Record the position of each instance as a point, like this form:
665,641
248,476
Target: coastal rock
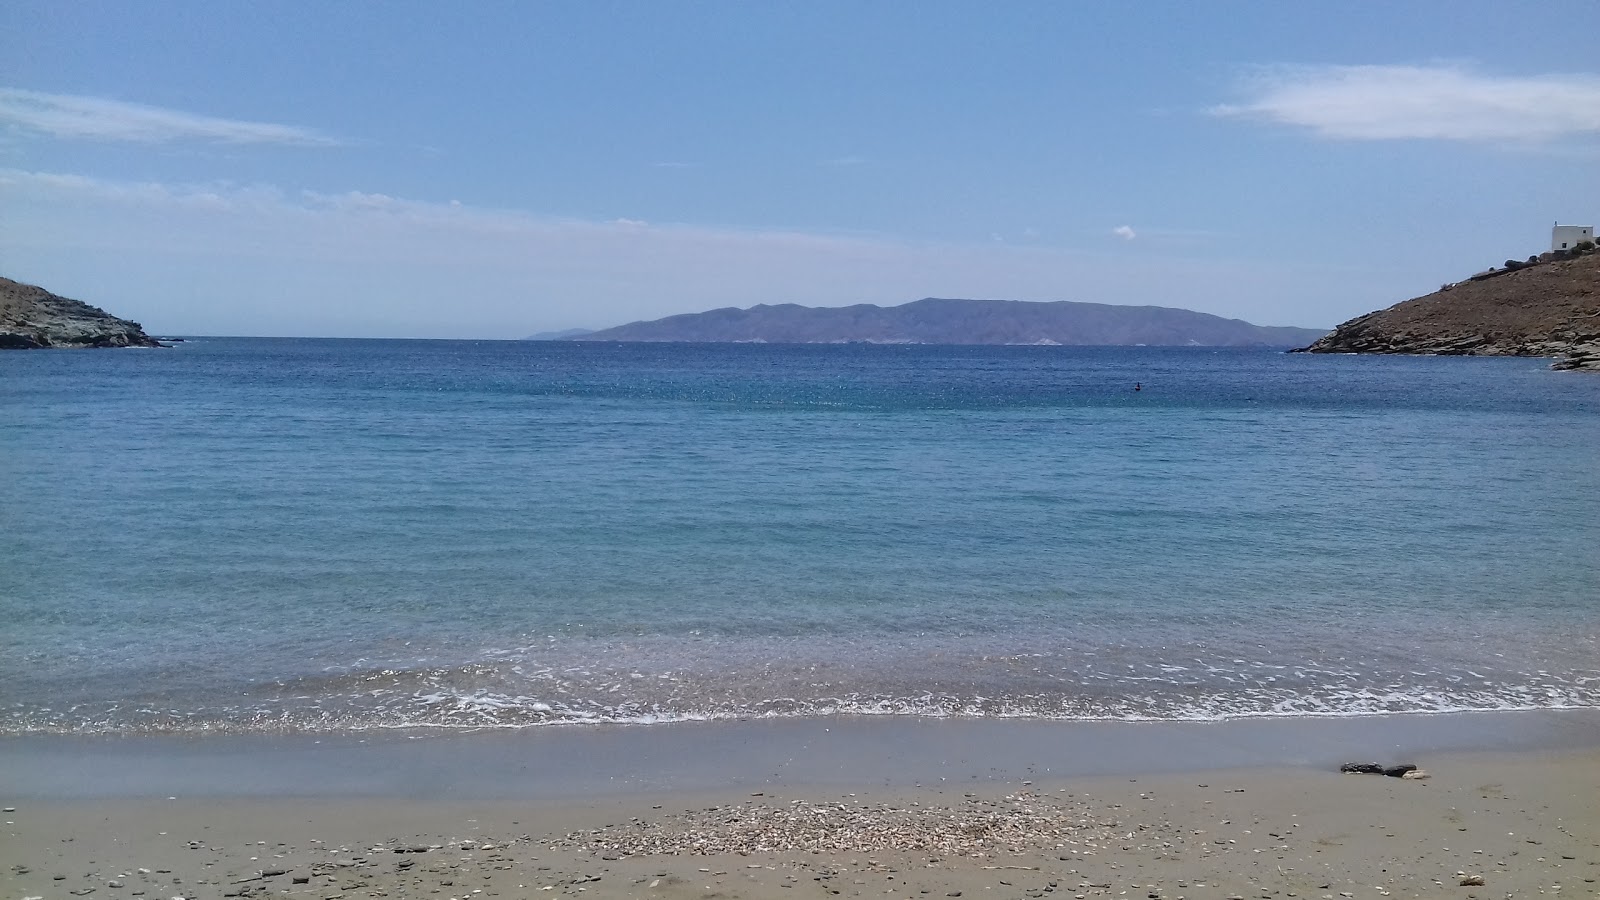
1549,308
1361,769
12,341
32,318
1579,356
1398,771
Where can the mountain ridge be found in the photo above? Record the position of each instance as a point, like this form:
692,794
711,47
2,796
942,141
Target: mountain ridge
936,320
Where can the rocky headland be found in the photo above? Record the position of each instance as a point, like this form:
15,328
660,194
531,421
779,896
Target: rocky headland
1545,308
32,318
944,321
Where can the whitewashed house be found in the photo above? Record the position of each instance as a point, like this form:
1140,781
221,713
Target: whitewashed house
1565,237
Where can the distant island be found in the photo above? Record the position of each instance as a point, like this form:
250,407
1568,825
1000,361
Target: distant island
561,335
32,318
1548,306
941,321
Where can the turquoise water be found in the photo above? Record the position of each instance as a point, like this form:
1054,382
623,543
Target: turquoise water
326,535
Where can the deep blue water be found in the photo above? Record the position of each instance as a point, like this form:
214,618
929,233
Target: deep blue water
250,534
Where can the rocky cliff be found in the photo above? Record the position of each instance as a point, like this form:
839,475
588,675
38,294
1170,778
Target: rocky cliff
33,318
937,321
1550,308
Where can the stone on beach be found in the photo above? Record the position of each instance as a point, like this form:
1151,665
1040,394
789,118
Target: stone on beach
1361,769
1403,770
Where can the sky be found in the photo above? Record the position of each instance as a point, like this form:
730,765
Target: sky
491,170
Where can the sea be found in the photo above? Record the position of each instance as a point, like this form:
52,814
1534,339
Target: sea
342,536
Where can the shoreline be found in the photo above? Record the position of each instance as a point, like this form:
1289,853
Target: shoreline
1524,822
1251,810
550,764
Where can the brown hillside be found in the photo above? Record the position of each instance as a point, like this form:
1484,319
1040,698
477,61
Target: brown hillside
1548,309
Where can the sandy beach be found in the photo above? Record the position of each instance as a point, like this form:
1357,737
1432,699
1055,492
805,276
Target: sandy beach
1524,821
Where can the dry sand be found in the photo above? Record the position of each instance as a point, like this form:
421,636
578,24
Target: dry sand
1527,823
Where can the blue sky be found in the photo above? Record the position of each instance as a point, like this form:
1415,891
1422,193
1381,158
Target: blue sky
491,170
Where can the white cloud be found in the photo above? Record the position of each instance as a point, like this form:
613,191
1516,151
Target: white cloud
98,119
1439,102
1125,232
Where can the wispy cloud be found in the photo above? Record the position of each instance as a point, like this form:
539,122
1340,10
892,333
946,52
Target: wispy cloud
98,119
1436,102
224,258
1125,232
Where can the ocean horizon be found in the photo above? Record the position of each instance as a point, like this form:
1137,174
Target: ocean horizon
330,536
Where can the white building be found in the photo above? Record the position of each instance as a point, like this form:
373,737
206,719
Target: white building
1565,237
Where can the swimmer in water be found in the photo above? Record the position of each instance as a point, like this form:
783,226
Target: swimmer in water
1138,385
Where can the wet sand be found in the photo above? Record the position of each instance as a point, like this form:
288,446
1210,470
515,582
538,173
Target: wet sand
1527,821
